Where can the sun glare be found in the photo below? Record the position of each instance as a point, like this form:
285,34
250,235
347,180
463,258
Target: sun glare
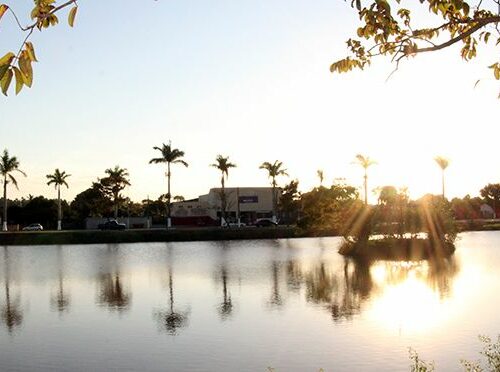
407,304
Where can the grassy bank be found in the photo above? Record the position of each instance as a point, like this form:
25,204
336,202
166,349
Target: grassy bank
136,236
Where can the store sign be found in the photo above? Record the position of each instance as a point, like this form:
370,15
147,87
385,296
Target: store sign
248,199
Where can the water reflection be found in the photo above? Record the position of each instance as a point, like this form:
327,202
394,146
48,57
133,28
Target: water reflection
11,313
171,320
112,293
344,291
60,301
226,306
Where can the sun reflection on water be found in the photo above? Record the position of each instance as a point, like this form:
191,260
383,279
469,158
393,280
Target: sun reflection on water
415,295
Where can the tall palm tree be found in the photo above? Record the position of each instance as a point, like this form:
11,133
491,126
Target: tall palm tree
274,170
321,176
8,165
58,179
365,162
443,164
169,156
223,164
114,183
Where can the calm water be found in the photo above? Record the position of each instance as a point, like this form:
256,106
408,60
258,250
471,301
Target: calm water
294,305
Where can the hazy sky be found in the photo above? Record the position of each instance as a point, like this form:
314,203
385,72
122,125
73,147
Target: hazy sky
245,79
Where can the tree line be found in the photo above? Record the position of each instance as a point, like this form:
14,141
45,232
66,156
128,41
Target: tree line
320,208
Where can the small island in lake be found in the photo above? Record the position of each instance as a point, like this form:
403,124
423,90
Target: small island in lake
400,229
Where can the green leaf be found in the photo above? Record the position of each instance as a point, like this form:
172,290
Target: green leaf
3,9
5,82
7,59
5,62
72,15
26,69
31,51
19,79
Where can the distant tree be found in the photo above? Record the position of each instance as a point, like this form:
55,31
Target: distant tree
394,212
223,164
114,184
329,209
8,165
388,29
466,208
92,202
321,177
58,179
290,202
179,198
365,162
19,65
274,170
169,156
443,164
40,210
491,193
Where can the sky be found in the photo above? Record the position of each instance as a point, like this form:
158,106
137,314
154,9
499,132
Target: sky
245,79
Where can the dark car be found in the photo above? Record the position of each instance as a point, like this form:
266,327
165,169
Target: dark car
265,222
112,225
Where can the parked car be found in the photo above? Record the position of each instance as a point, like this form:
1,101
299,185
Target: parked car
112,225
235,224
265,222
33,227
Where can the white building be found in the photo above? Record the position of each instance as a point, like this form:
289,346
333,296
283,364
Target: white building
249,203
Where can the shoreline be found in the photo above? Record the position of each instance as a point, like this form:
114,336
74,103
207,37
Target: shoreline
146,236
175,235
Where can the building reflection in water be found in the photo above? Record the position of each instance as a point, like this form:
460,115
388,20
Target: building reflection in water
112,293
171,320
11,312
60,301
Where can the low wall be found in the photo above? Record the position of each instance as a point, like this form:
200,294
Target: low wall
136,236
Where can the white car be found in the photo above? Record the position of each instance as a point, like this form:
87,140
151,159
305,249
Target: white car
33,227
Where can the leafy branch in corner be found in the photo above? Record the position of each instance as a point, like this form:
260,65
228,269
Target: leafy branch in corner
19,65
387,31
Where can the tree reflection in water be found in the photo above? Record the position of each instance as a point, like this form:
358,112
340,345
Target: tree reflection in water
171,320
276,300
60,301
112,293
11,312
225,307
344,291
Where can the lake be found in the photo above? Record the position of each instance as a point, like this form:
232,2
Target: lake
293,305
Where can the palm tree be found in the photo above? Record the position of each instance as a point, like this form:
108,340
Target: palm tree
223,164
274,170
58,179
321,176
365,162
169,156
114,183
8,165
443,164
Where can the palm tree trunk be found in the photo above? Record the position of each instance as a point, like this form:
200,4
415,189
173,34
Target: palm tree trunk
4,225
274,200
169,221
59,212
366,188
223,199
116,207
